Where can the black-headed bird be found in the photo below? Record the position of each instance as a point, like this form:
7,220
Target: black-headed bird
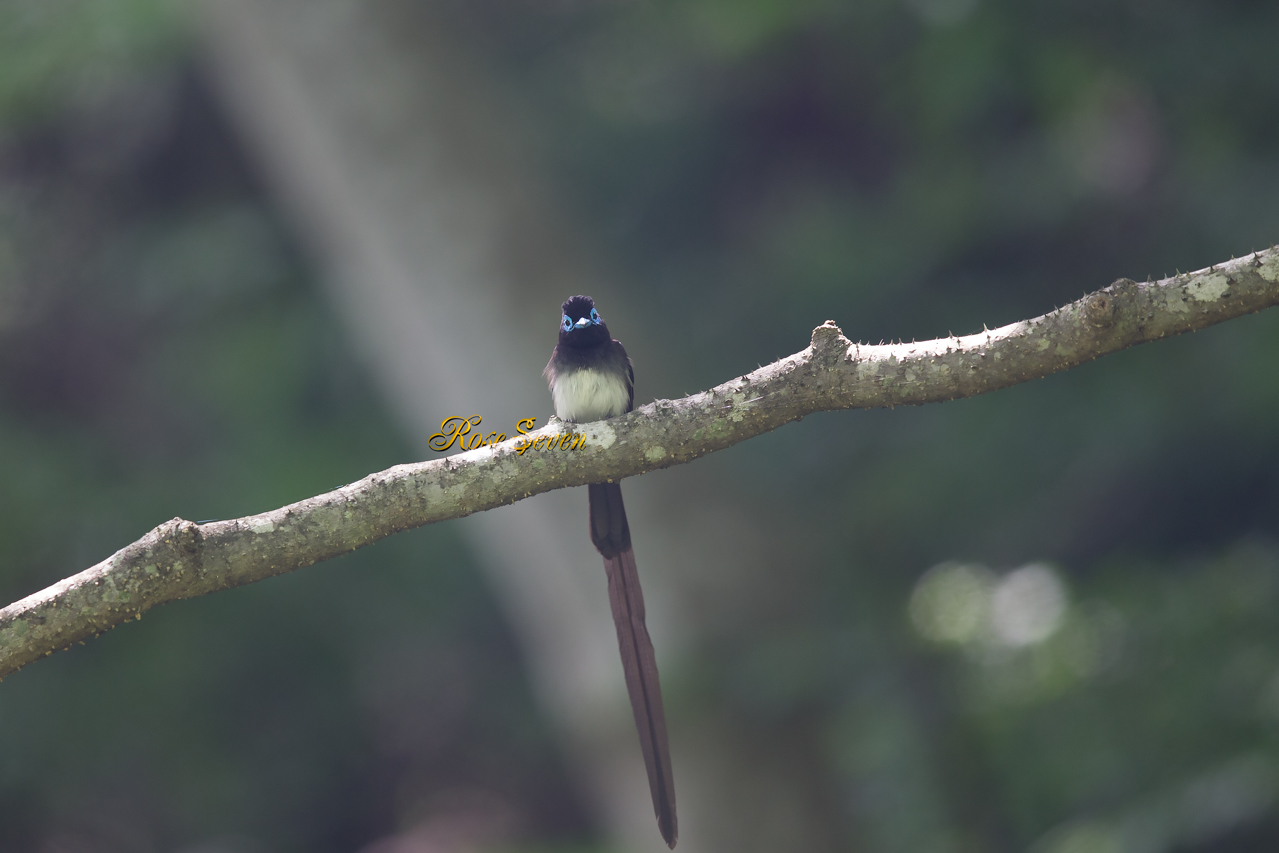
591,379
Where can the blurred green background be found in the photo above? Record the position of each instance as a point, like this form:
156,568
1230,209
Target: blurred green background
1040,620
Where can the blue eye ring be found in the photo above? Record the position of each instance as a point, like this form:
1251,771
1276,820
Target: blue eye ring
566,324
595,317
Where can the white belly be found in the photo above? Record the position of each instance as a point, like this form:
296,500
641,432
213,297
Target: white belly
589,395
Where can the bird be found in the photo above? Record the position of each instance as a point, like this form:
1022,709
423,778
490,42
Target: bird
591,378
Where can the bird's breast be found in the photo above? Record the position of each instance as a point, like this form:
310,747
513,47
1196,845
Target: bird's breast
589,395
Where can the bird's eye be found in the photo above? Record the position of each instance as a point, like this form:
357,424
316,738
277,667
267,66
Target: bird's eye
566,324
595,317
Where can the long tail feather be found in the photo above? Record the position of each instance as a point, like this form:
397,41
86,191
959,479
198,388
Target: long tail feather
612,537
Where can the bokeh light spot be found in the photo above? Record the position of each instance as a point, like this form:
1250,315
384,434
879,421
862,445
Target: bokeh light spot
951,601
1028,605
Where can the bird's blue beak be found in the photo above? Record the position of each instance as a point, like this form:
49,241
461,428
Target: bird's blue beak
582,323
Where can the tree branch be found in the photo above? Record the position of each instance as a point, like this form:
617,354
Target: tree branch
181,559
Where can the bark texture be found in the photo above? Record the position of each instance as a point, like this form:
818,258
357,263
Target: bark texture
181,559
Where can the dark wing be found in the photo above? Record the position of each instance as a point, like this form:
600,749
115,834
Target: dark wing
620,352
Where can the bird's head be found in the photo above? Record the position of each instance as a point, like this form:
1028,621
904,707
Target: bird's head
580,323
